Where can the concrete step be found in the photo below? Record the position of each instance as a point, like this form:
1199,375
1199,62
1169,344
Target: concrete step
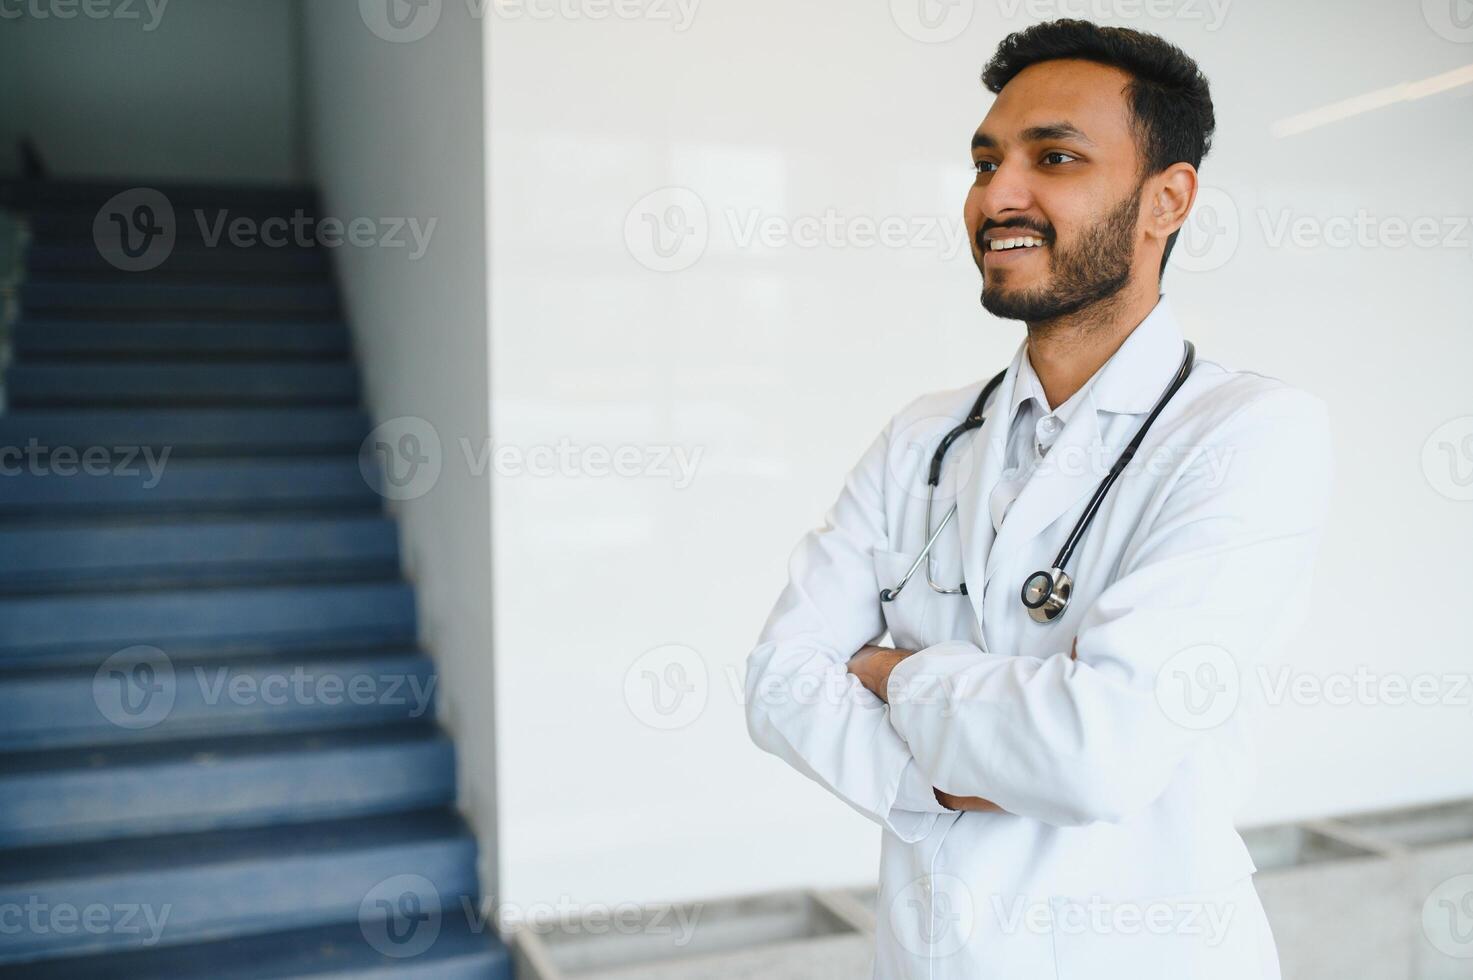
188,888
78,383
190,554
120,791
151,485
101,337
58,706
68,628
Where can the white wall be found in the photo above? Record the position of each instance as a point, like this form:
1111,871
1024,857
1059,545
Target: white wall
396,136
780,363
152,88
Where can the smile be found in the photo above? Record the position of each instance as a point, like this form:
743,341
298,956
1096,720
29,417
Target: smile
1002,244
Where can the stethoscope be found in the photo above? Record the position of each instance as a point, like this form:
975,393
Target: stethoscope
1045,594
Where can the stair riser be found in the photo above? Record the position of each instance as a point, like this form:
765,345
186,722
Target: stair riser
464,948
86,196
138,338
93,384
93,555
37,629
36,298
118,802
84,706
179,905
167,487
185,431
46,263
212,226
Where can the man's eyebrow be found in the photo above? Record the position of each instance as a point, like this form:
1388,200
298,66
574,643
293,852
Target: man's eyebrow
1037,134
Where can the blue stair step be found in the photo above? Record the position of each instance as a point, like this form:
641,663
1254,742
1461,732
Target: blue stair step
214,884
59,706
72,261
198,552
112,792
130,294
66,628
42,338
225,485
463,948
192,431
198,383
30,196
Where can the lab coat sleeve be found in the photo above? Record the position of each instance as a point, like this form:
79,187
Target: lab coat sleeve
1218,576
802,704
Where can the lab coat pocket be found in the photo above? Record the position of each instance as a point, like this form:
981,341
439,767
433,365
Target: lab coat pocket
1217,934
906,615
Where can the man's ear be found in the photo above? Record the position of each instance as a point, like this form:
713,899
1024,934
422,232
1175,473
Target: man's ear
1172,192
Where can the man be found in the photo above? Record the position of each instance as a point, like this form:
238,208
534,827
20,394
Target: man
1057,794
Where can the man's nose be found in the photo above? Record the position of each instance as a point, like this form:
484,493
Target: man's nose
1006,192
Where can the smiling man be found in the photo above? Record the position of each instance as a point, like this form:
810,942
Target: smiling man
1079,565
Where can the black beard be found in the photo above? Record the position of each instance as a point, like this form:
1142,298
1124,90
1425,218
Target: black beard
1088,273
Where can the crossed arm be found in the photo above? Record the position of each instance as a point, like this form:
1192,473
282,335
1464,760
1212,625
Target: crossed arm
1220,559
872,665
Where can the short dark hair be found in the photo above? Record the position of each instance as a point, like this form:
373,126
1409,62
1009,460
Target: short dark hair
1170,104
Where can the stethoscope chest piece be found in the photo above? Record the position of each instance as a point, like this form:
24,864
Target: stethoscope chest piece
1046,594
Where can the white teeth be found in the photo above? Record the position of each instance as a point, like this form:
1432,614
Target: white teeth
999,244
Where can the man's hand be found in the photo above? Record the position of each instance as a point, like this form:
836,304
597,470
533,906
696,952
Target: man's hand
872,665
972,803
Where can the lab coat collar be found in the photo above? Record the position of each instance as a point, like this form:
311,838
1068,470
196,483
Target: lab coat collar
1123,384
1130,382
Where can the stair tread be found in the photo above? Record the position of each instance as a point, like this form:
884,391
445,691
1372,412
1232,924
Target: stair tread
338,950
215,749
168,852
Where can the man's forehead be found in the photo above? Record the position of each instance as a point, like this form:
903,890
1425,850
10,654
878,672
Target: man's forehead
1084,94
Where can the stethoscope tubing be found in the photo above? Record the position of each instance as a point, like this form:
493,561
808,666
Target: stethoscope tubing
975,420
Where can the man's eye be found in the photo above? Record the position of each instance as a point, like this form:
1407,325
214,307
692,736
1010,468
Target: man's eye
1058,153
980,164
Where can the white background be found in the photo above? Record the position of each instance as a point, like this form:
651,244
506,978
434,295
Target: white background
781,364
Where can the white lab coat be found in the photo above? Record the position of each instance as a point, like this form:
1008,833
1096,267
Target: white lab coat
1120,771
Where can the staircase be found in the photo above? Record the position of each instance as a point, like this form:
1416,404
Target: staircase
218,756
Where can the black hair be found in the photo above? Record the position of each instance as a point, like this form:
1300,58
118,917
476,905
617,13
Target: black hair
1168,97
